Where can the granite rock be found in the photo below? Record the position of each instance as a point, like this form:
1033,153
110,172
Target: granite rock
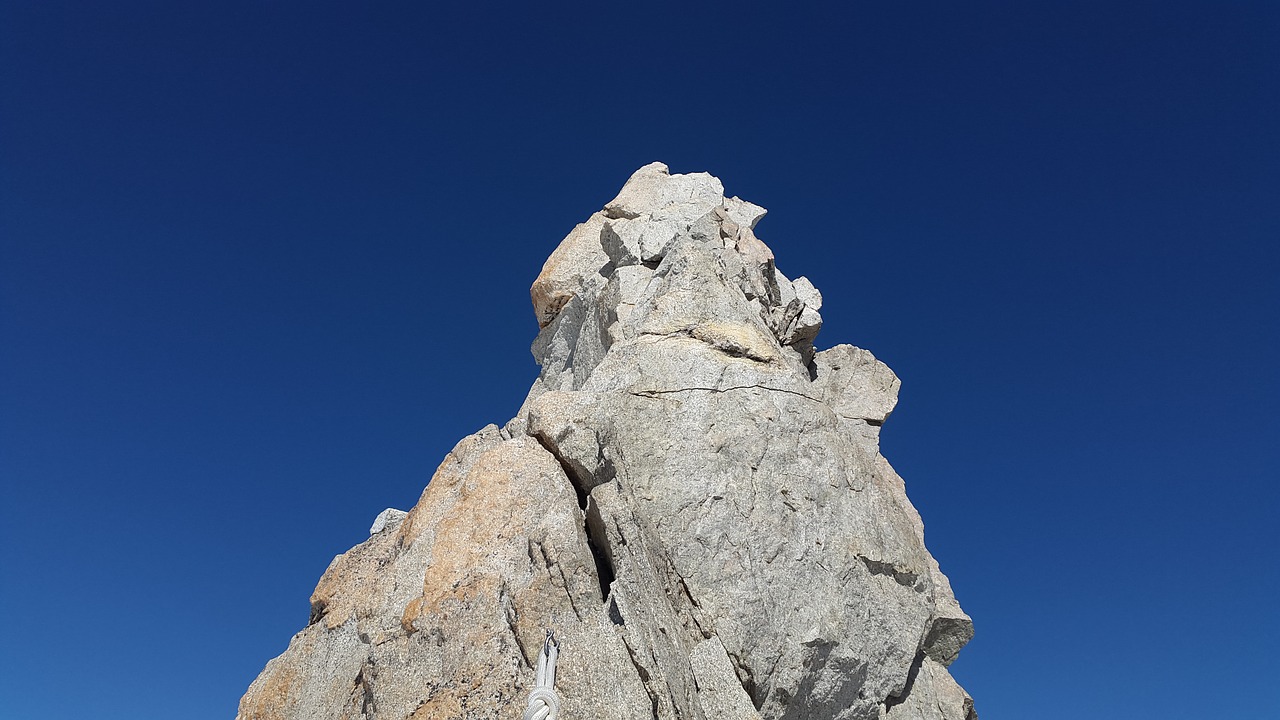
691,495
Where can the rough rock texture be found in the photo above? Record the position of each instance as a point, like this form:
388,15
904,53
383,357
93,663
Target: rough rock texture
691,496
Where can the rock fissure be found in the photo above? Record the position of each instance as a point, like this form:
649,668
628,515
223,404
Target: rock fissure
601,553
604,571
656,392
904,577
579,483
643,675
368,707
512,619
724,345
896,699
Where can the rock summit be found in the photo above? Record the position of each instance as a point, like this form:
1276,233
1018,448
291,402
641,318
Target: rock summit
692,496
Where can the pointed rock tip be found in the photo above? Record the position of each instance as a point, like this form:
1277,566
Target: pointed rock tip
654,168
651,195
654,190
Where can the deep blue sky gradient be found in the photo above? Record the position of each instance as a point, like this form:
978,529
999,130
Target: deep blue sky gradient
263,264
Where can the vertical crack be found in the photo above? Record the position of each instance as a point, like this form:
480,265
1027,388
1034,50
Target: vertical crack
592,524
644,676
747,680
598,544
897,699
364,686
512,618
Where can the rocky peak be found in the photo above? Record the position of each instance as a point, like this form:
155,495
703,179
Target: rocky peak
691,496
669,258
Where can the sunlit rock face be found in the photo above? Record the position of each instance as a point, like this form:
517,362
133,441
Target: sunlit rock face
691,496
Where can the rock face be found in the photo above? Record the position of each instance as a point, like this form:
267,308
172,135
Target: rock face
691,496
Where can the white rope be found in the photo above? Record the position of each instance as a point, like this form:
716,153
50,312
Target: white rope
544,704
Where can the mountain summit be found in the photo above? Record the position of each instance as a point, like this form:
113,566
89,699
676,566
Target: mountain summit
691,496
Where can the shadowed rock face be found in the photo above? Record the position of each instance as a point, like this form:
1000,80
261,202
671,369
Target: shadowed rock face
691,496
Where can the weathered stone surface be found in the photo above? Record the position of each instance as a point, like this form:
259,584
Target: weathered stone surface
653,192
690,495
573,266
443,616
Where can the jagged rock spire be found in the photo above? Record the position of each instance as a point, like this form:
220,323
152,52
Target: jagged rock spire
691,495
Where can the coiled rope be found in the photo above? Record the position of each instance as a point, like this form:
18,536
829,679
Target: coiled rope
544,704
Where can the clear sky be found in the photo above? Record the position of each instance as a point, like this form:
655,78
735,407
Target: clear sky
263,263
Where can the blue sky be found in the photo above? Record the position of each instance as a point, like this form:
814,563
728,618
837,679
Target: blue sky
263,264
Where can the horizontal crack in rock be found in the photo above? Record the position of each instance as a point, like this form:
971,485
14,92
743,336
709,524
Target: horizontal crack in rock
726,346
654,393
902,576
